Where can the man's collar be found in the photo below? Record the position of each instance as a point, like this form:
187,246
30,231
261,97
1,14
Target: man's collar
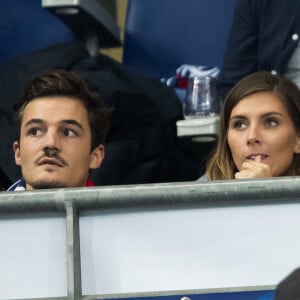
20,185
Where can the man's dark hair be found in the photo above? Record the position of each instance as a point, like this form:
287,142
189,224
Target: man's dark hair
69,84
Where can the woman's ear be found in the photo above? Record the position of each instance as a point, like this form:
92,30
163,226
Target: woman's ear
16,147
297,146
97,156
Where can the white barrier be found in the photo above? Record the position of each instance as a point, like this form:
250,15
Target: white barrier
148,238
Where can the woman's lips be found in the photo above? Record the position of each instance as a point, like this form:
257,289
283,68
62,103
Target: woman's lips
256,157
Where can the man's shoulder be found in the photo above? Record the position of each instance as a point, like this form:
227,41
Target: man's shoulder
19,185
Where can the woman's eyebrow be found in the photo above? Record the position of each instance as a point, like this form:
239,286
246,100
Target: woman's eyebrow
237,117
271,113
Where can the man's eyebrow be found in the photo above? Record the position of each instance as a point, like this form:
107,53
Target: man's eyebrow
34,121
41,121
72,122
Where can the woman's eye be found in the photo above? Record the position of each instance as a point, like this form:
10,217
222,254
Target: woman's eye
239,125
271,123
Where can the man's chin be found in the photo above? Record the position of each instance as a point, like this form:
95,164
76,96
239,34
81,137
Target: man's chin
46,184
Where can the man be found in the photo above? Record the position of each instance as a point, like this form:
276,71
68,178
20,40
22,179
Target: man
62,126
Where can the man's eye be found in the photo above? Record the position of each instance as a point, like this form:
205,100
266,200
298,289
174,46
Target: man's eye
69,132
34,131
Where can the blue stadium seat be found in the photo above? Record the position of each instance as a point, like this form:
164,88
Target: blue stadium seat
26,27
162,35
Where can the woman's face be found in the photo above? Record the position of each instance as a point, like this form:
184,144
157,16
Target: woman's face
261,130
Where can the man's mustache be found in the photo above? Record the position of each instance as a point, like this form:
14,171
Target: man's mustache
51,153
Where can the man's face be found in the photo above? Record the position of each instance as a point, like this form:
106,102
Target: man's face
55,144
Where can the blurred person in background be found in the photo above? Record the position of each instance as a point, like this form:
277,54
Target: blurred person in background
264,35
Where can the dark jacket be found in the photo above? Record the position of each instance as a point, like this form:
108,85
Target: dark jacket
263,36
142,145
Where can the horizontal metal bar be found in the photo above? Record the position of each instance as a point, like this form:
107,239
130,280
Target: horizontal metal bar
51,298
180,292
157,196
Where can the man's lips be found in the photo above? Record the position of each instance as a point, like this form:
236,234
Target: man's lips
50,161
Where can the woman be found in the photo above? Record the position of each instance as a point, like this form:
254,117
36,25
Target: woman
259,132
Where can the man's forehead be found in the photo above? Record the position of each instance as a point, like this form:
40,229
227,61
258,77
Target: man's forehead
55,109
36,121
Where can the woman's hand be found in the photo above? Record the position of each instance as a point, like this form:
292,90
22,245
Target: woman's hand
254,169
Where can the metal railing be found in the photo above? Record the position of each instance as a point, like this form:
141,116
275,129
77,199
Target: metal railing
184,195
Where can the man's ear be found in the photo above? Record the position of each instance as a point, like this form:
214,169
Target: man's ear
97,156
16,147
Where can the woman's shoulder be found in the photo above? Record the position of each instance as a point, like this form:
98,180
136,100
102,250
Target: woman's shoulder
203,178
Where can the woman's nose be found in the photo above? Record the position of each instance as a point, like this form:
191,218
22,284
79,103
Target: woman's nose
254,137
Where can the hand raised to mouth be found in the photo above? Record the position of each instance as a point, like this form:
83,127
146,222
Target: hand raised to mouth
254,169
258,158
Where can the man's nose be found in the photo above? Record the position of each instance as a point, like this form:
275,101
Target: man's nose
254,135
52,140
